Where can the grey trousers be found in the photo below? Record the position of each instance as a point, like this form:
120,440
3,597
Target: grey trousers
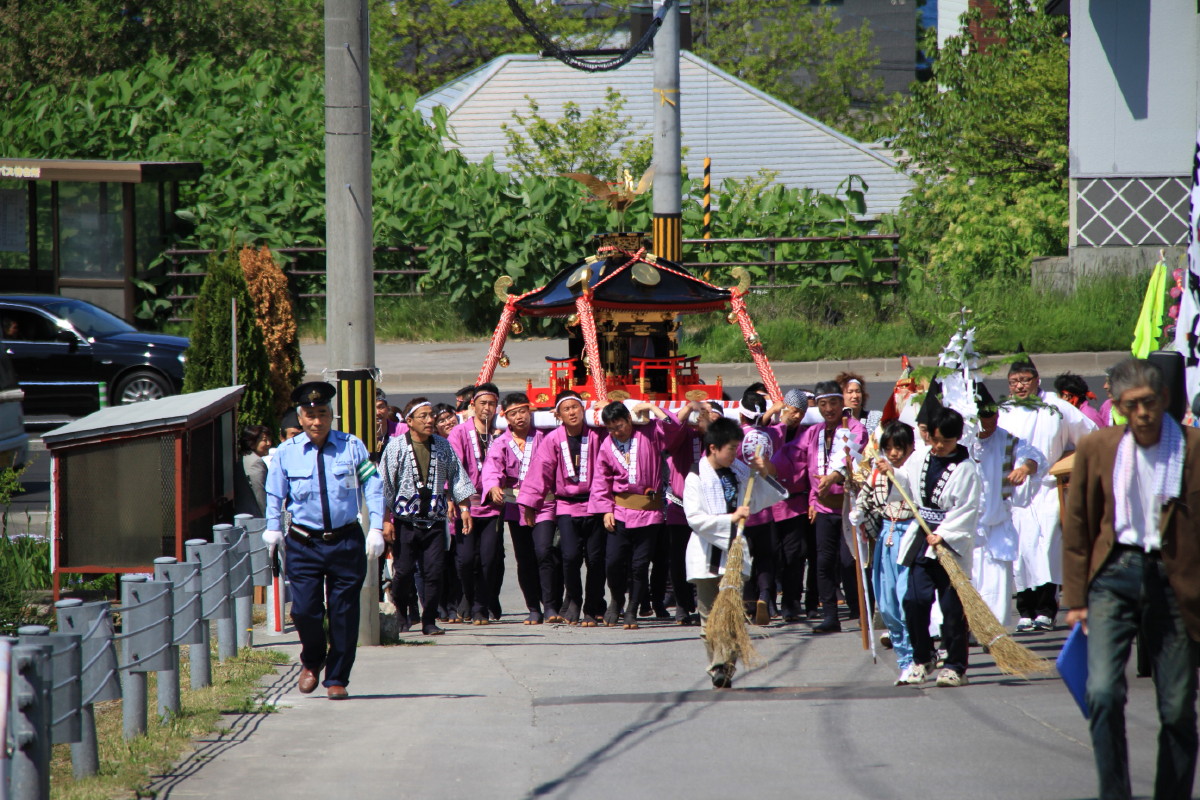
706,595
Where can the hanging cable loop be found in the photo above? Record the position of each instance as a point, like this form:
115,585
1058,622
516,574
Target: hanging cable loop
550,47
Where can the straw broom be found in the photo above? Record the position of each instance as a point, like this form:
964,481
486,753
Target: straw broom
726,629
1010,656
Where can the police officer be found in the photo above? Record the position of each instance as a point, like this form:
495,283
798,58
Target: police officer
319,476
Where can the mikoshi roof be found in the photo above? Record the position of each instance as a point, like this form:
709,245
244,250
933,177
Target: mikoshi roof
626,281
743,129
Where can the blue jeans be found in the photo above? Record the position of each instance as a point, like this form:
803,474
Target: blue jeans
1129,595
891,584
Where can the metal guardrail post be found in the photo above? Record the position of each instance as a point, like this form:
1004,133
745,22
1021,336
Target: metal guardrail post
66,668
214,603
99,679
30,769
224,537
241,580
146,635
168,679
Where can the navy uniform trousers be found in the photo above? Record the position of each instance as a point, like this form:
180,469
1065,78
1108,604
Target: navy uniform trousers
327,577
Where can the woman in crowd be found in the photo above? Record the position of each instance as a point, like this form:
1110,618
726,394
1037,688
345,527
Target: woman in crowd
250,484
854,393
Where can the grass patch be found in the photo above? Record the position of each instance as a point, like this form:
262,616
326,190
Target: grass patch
820,324
431,318
127,767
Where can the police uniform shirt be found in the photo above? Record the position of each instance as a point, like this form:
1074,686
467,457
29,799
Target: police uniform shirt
294,479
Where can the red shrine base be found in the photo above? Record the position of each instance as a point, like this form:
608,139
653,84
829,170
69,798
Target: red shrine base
656,380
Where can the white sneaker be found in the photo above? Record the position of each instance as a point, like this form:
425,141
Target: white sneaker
885,640
917,674
1024,625
1043,623
949,677
905,674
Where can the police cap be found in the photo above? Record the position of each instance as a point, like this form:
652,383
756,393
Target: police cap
313,394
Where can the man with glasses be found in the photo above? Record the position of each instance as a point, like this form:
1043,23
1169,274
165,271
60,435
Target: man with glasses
1054,427
1131,566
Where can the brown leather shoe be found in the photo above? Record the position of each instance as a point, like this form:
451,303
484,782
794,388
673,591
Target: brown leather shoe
338,693
307,682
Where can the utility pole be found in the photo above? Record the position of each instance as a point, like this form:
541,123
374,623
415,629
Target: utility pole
349,268
667,199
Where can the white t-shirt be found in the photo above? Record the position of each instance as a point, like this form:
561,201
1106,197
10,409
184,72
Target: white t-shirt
1142,530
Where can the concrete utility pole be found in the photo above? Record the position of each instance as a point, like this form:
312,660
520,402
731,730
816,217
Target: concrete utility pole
350,298
349,268
667,202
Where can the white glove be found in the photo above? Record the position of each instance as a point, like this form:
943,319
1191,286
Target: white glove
375,543
272,539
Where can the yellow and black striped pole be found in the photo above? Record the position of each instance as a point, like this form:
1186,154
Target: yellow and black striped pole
668,236
356,404
708,204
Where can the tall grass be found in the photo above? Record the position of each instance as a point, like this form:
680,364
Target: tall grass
827,324
429,318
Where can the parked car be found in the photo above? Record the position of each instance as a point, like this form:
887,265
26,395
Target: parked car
63,349
14,442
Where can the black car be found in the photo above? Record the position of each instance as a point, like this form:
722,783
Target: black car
63,349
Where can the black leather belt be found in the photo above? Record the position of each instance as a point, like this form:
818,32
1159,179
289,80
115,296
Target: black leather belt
335,535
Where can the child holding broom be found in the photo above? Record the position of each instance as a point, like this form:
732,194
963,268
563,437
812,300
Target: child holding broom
944,483
716,504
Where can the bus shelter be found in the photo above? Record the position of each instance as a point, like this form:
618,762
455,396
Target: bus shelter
87,229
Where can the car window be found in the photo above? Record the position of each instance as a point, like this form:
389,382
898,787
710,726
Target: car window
88,319
21,325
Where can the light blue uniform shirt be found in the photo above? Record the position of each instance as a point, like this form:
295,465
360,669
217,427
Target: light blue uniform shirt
292,478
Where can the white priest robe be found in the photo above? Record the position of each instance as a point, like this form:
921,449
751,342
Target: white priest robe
704,506
1039,532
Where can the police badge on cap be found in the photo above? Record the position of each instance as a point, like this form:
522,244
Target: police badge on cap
313,394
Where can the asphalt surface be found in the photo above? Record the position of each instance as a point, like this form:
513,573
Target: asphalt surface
514,711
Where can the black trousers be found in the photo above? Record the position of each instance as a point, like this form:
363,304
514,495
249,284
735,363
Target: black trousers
792,534
318,572
660,572
676,537
812,593
583,542
528,577
835,566
761,539
427,547
1040,601
451,603
480,558
627,562
926,578
549,566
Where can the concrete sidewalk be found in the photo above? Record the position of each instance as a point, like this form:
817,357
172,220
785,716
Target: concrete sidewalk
420,367
513,711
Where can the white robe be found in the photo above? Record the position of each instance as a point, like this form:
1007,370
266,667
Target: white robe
996,537
710,524
1038,525
959,499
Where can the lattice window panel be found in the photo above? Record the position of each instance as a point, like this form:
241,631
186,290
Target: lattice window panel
1116,212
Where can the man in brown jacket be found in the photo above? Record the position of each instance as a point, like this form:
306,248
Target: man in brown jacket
1131,565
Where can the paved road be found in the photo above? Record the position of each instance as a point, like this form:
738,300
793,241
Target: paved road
509,711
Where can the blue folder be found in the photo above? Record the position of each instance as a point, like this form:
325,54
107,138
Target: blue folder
1072,666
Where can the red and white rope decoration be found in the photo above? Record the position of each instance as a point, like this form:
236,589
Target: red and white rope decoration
738,302
499,337
587,324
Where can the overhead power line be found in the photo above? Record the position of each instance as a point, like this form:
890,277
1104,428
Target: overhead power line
572,58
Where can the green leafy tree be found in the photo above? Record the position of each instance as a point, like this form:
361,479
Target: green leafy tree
210,353
61,41
986,144
577,143
794,51
425,44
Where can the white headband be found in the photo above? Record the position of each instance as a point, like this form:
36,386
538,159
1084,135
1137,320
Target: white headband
749,412
565,399
413,410
853,380
831,394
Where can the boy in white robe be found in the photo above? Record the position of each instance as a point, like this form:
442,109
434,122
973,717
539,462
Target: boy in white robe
944,484
1008,471
713,501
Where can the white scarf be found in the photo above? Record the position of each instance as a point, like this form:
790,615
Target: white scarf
522,456
628,461
1168,470
583,459
711,489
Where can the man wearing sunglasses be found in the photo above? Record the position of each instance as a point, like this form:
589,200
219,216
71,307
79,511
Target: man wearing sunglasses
1054,427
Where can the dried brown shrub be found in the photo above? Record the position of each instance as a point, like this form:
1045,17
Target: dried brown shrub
274,313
